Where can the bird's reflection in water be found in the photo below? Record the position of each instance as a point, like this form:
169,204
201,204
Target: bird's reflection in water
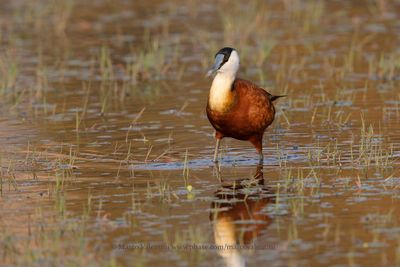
238,218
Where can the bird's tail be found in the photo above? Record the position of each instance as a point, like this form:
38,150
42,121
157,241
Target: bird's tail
275,97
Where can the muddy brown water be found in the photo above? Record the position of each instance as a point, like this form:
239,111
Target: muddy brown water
133,183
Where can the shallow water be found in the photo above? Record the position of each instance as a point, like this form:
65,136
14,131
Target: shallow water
103,167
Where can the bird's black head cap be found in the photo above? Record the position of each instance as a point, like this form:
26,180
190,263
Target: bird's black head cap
226,51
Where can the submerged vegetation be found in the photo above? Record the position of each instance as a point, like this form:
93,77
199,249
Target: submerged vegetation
106,148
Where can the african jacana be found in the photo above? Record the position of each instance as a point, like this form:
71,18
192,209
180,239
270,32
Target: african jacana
237,108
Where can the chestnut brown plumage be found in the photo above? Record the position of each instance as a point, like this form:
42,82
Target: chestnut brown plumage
245,110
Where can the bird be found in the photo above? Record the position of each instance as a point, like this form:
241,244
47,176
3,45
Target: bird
237,108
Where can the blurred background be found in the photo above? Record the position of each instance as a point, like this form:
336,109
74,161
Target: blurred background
105,141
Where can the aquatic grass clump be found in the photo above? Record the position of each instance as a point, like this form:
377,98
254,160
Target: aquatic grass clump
9,71
152,62
44,16
248,30
15,89
55,239
372,151
139,72
385,67
304,15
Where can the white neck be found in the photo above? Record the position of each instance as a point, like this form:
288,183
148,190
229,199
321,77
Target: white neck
220,91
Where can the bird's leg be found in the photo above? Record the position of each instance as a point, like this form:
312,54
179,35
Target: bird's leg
261,161
218,137
216,150
259,172
259,176
217,169
257,143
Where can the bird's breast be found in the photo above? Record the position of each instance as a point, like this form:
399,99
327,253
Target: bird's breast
221,97
220,102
